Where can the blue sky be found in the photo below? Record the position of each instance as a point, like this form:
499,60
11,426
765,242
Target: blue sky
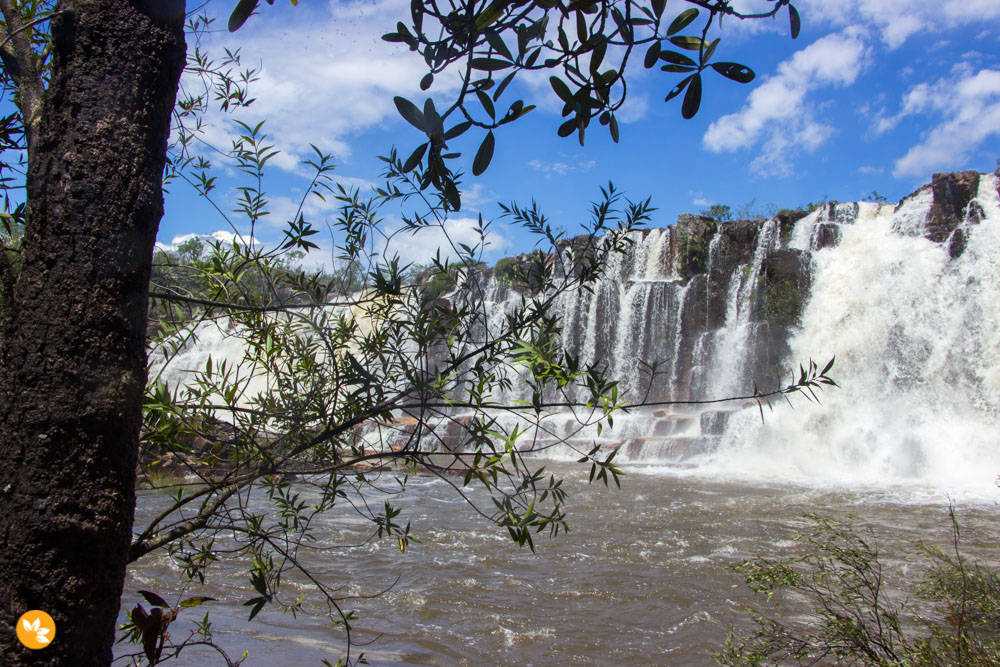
874,95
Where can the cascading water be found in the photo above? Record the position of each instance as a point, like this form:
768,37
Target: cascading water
917,338
907,297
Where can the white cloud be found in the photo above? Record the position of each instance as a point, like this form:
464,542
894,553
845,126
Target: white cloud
898,20
560,168
869,170
324,81
777,113
222,236
968,104
420,247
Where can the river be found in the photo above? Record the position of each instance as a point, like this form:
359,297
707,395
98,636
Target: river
640,579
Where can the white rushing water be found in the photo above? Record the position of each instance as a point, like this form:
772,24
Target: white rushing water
916,335
917,340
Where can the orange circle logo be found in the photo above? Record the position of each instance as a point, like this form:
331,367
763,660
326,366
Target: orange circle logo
36,629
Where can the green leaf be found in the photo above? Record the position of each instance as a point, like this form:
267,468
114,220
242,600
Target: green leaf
658,7
498,44
734,71
794,21
415,157
652,53
677,58
483,155
614,129
488,64
487,103
503,86
678,89
154,599
562,90
457,130
677,68
195,601
688,42
706,55
568,128
451,195
426,82
409,111
682,21
242,12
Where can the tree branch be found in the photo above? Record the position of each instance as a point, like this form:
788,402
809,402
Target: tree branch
20,63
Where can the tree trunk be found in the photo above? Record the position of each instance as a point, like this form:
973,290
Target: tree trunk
72,358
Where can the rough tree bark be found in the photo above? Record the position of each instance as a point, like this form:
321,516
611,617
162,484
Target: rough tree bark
72,359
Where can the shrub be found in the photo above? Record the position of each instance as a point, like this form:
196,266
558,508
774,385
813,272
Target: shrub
853,620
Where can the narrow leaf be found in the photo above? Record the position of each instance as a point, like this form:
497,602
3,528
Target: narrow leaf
794,20
678,89
414,159
682,21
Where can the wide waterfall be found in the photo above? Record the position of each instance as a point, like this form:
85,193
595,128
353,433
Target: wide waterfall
907,297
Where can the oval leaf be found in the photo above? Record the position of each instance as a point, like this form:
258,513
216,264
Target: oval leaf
688,42
692,99
735,71
567,128
457,130
483,155
794,21
562,90
614,129
677,58
488,64
414,159
409,111
682,21
242,12
652,54
154,599
426,82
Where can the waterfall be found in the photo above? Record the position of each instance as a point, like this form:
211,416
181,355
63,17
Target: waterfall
916,333
907,297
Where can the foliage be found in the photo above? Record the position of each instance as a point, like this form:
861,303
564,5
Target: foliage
718,212
588,44
854,616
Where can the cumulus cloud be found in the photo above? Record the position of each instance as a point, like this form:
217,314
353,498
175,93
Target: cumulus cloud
898,20
324,81
968,107
778,114
421,247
